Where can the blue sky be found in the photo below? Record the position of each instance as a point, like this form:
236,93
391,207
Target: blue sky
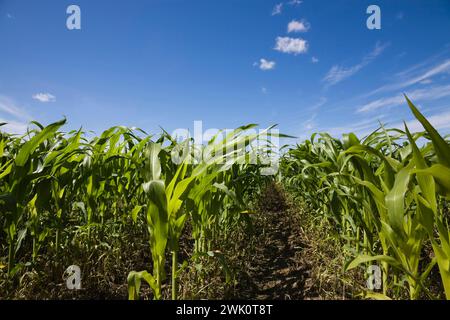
305,65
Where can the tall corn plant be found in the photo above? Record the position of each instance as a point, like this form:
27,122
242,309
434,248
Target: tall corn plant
19,183
202,190
404,229
164,222
387,193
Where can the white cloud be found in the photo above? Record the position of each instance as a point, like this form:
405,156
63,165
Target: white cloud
339,73
15,127
361,128
8,106
265,64
320,103
9,16
427,94
311,122
298,26
291,45
314,60
366,126
439,69
426,81
438,121
44,97
295,2
264,90
277,9
412,76
379,48
18,126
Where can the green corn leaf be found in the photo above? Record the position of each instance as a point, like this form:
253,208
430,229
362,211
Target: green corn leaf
134,280
153,165
379,196
426,182
425,214
440,145
443,261
135,212
20,237
365,258
157,215
6,169
30,146
440,174
395,199
181,188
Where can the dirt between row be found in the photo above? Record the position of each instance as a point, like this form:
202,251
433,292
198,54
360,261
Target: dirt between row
275,267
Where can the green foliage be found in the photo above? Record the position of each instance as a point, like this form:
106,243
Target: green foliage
53,184
386,198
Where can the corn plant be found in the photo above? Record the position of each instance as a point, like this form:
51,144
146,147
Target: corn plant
385,197
206,191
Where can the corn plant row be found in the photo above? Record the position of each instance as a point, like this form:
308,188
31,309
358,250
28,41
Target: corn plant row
125,176
386,196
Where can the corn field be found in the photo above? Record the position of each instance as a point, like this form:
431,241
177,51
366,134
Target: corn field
59,187
385,195
386,198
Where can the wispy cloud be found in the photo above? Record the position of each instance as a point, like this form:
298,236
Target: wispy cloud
426,94
8,106
265,64
9,16
298,26
295,2
291,45
426,81
365,126
314,60
439,121
44,97
311,122
339,73
360,128
277,9
319,104
15,127
414,75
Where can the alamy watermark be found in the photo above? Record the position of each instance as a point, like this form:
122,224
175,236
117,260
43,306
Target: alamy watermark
73,21
72,275
374,280
214,146
374,20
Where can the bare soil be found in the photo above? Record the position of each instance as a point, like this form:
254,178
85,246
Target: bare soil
275,267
